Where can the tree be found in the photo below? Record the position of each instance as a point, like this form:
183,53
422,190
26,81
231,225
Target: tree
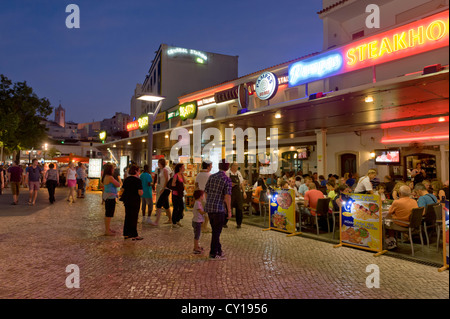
22,112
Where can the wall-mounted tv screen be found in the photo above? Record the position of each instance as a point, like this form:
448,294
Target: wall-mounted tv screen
387,157
303,153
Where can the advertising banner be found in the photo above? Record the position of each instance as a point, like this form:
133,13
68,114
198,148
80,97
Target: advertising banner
361,222
95,168
282,210
445,233
123,165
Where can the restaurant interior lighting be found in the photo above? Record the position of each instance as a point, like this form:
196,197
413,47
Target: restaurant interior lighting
129,143
372,154
191,132
209,118
277,115
143,140
368,99
166,136
114,145
409,139
441,119
150,97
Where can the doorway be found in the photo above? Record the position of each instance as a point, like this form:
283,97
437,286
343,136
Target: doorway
348,163
428,162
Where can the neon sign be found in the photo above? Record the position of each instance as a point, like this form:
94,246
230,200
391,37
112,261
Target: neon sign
417,37
200,57
102,135
304,71
131,126
188,110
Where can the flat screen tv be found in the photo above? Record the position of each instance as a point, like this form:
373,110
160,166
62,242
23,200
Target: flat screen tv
387,157
303,153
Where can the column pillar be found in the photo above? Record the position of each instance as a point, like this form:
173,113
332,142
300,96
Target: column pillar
321,140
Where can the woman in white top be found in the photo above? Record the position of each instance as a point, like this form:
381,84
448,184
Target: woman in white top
71,181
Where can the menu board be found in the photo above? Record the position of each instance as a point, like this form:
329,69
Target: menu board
282,210
361,221
123,164
445,240
95,168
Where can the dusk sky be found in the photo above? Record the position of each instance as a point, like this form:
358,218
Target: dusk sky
94,70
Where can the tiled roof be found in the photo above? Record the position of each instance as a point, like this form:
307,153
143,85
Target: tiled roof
332,6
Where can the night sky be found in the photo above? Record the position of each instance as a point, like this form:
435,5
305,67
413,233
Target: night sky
93,70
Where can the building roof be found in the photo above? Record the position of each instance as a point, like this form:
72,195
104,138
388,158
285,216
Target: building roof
332,6
250,74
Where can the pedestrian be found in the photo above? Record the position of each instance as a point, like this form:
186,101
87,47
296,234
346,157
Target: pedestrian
34,181
15,173
200,183
198,219
177,186
218,203
147,197
131,197
2,179
237,193
109,196
71,181
81,179
162,193
51,179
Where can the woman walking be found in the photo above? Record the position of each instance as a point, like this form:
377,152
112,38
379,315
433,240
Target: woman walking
147,198
109,196
177,186
71,181
162,192
132,192
51,181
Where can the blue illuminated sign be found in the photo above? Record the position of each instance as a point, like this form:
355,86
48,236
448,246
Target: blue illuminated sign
314,69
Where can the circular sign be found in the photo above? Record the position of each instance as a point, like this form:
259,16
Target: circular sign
266,85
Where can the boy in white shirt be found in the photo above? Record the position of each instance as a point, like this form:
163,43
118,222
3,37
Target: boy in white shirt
198,219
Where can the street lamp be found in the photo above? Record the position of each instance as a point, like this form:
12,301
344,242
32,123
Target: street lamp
45,147
151,118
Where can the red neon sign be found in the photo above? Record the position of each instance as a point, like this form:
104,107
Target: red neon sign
415,122
424,35
132,126
413,139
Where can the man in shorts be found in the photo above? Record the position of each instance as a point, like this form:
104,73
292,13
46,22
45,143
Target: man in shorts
34,180
15,178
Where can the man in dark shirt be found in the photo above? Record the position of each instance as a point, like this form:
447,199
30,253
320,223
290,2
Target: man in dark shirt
218,204
34,173
15,178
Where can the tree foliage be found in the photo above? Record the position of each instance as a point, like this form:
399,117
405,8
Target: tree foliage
21,113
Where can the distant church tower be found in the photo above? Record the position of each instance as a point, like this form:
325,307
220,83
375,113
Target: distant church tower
60,116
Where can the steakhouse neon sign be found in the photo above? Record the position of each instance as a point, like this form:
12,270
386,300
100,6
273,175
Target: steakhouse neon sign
417,37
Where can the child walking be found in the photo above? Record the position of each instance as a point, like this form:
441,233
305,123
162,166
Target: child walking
198,219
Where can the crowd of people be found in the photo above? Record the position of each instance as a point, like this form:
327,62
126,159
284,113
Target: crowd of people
36,176
216,194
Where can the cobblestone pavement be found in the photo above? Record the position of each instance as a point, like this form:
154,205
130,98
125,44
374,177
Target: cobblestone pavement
38,243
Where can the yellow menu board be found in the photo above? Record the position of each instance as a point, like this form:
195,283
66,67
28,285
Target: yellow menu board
361,222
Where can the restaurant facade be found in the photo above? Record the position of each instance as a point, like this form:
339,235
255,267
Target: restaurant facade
338,111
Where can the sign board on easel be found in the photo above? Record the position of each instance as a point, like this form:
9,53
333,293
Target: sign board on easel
282,215
445,235
361,222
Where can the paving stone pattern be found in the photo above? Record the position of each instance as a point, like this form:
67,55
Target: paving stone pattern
37,243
